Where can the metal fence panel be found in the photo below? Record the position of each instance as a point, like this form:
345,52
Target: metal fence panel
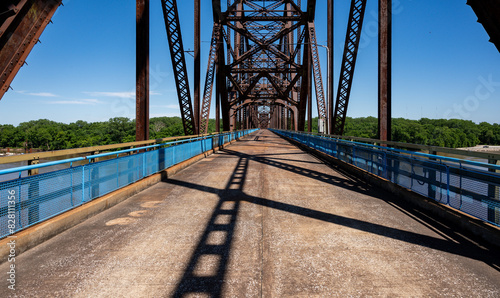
470,187
29,200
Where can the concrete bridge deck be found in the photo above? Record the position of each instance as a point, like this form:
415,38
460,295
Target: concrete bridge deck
260,218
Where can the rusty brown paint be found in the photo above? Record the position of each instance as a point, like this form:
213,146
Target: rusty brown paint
197,68
384,69
22,32
142,70
331,48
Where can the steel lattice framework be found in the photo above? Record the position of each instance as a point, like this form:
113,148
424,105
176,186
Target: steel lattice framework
263,62
262,58
209,80
356,16
174,35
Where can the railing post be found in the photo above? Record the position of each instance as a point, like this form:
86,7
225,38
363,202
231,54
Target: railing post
94,179
447,185
72,190
33,194
411,172
353,156
33,171
395,169
83,184
130,165
385,164
432,177
117,171
493,192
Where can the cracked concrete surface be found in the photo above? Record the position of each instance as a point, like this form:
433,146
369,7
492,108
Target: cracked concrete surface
260,218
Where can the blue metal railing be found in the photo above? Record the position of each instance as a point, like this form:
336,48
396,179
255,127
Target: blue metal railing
26,201
469,186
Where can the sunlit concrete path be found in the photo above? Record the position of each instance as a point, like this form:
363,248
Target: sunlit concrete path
260,218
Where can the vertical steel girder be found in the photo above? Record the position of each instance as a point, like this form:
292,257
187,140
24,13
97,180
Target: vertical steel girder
253,116
331,48
176,47
142,71
306,90
318,81
384,69
197,66
209,80
20,28
354,28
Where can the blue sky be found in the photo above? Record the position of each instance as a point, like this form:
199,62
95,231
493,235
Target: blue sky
84,67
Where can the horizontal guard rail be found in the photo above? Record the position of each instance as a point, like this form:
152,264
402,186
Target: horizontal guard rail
67,152
463,152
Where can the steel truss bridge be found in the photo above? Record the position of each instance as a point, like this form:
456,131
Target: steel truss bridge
263,62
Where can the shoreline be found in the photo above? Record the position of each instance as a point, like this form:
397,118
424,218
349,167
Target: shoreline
482,148
2,154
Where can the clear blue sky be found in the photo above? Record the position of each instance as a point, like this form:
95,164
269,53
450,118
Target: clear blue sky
84,69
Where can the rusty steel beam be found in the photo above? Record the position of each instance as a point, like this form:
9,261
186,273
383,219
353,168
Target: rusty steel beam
21,27
309,97
488,14
217,101
266,18
354,28
176,47
263,66
306,90
224,99
330,8
318,81
197,67
265,70
142,71
209,80
384,70
311,10
8,9
216,8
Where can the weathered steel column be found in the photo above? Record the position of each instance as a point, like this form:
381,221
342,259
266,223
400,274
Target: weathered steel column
280,123
248,115
330,66
384,70
197,67
309,110
142,71
217,98
309,95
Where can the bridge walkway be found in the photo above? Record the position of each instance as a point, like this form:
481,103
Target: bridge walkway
259,218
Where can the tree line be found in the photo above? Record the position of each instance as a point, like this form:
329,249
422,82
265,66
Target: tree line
50,135
453,133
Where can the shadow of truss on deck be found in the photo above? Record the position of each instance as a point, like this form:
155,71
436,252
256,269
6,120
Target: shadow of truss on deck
205,272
